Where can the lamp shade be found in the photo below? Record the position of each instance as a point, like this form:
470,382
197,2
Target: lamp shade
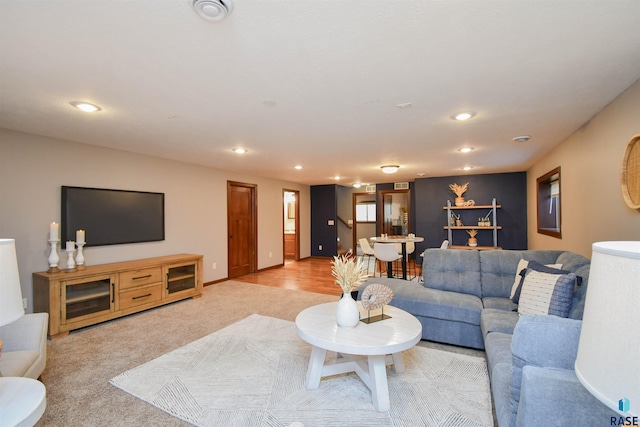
608,354
10,293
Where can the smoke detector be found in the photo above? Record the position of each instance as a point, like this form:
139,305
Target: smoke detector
213,10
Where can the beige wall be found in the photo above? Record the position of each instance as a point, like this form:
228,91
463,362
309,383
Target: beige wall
33,168
593,209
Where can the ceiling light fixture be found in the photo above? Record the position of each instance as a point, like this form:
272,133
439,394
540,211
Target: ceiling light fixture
357,185
522,138
466,149
213,10
297,167
467,168
390,168
404,105
85,106
337,177
463,116
239,150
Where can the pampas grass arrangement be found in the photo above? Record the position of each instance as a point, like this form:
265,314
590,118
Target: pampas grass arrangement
459,190
349,272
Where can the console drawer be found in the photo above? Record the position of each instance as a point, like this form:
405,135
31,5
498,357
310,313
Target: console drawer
135,278
139,296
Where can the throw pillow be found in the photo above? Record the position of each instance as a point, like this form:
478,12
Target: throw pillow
522,264
545,293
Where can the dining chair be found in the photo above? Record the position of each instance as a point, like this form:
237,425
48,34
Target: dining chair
386,253
368,251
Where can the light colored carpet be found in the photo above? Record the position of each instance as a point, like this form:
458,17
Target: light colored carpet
251,373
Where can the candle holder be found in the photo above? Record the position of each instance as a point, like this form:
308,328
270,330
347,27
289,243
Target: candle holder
53,257
71,264
80,257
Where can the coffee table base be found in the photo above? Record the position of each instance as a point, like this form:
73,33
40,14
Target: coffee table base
372,370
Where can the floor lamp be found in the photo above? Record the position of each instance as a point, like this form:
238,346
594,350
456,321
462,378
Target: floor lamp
608,353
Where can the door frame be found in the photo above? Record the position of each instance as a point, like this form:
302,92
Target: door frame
254,223
297,223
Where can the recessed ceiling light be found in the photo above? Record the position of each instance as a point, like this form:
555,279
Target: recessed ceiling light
213,10
297,167
421,174
466,115
85,106
239,150
522,138
466,149
404,105
390,168
337,177
356,185
467,168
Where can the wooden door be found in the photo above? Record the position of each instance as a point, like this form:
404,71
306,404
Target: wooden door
241,228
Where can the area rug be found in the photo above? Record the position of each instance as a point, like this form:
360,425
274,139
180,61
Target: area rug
252,373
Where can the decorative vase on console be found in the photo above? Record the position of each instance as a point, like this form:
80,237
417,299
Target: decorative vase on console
349,273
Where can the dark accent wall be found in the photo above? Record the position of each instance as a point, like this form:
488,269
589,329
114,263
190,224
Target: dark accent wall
324,208
509,190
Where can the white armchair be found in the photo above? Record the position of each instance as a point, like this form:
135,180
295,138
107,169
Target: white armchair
24,337
24,346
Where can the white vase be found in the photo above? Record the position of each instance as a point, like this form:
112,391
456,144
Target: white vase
347,313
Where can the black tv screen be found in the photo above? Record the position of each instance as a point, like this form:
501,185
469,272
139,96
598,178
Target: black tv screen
112,217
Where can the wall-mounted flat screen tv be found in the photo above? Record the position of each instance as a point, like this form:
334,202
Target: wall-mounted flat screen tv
112,217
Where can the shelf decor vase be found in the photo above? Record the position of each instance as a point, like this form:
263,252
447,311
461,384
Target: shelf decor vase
473,242
459,201
347,313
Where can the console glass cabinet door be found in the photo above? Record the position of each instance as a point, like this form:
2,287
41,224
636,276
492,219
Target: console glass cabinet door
86,297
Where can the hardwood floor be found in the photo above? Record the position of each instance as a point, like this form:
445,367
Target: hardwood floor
310,274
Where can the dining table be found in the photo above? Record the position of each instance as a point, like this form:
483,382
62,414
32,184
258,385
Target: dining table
403,240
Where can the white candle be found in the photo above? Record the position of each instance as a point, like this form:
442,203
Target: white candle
53,231
80,236
70,245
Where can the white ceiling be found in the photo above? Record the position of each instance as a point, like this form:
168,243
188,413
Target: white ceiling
317,83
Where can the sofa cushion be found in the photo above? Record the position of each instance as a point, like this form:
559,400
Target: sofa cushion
545,293
500,392
495,320
500,303
420,301
517,281
498,268
498,350
534,265
543,341
453,270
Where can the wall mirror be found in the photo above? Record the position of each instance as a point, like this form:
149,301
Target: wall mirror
393,212
549,204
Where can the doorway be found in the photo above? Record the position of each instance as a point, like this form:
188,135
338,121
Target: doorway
394,212
242,227
364,214
291,221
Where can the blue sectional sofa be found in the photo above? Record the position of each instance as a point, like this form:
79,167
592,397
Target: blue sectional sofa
464,300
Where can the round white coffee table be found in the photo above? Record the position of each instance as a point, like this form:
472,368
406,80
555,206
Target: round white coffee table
368,347
22,401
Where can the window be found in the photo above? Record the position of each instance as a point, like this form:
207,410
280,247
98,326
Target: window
366,212
549,218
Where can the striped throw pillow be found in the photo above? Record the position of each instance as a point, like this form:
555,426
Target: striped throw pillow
545,293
